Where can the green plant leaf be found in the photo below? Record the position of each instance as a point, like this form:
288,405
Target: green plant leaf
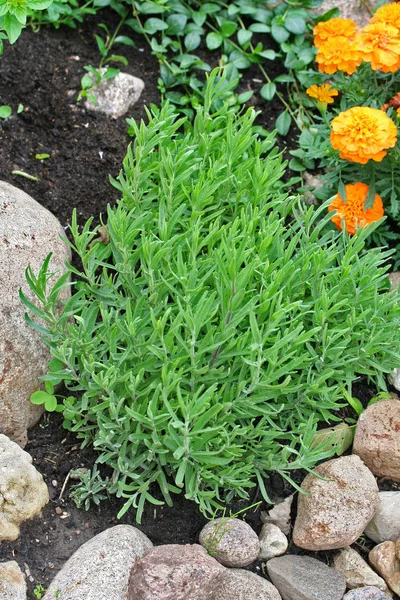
338,438
214,40
192,41
283,123
5,111
268,91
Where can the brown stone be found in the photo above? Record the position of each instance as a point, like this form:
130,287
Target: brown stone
384,560
335,510
377,438
175,572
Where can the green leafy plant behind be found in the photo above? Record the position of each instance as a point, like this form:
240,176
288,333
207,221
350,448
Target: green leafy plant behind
218,322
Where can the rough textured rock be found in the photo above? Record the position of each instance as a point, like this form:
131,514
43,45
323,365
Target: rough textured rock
366,593
100,568
12,582
232,541
394,379
115,96
386,522
238,584
279,515
305,578
23,493
356,572
394,279
377,438
337,508
385,559
174,572
349,9
28,233
273,542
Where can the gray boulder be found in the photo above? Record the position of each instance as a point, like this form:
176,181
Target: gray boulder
100,568
115,96
232,541
305,578
28,233
12,581
366,593
238,584
386,522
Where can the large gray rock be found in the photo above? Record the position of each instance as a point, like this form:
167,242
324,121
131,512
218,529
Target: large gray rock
238,584
305,578
366,593
174,572
349,9
23,493
377,438
231,541
12,581
115,96
28,233
100,568
386,522
336,509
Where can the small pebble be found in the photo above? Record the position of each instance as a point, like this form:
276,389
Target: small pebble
59,510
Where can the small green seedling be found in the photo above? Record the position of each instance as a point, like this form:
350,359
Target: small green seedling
39,591
5,111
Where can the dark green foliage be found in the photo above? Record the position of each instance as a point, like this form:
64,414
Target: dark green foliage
219,323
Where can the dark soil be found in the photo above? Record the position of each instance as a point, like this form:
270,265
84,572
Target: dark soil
42,72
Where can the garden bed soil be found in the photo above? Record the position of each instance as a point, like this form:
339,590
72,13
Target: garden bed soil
42,73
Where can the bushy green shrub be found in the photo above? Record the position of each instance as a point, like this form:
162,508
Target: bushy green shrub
216,320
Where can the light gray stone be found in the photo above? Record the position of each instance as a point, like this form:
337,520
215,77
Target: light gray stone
385,560
336,509
273,542
28,233
174,572
100,568
279,515
305,578
366,593
115,96
231,541
12,581
377,438
238,584
386,522
394,279
356,571
394,379
349,9
23,493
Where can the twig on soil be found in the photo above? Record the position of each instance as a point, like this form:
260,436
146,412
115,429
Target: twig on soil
64,485
26,175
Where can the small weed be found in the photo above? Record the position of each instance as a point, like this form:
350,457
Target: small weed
39,591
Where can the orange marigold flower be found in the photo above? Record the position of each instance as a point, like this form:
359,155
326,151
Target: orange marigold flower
322,93
362,133
353,211
379,44
338,54
389,14
334,28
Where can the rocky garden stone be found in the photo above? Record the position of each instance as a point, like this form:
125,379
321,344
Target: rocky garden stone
279,515
385,560
305,578
377,438
175,572
238,584
273,542
28,233
23,493
385,524
12,581
115,96
356,571
366,593
336,509
100,568
231,541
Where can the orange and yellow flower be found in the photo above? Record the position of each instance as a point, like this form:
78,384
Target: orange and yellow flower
362,134
323,93
388,14
334,28
353,212
338,54
379,44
